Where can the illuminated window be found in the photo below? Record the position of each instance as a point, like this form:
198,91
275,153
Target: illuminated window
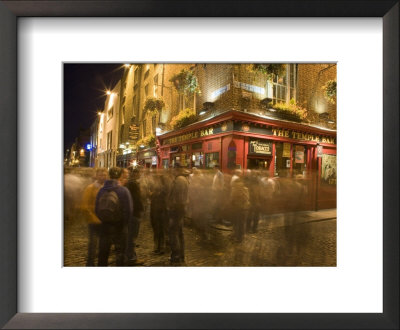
212,159
283,89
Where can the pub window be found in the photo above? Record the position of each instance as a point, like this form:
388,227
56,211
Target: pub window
282,158
197,159
212,159
165,163
299,159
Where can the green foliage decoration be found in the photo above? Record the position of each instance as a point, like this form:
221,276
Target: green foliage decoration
183,118
148,141
153,104
270,70
185,82
330,91
291,109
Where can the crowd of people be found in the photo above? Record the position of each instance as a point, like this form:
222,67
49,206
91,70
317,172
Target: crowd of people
118,200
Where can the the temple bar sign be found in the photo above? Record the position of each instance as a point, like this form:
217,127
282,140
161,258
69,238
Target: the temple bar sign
257,147
302,136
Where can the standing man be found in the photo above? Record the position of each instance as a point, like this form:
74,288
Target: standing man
177,205
114,208
88,207
134,224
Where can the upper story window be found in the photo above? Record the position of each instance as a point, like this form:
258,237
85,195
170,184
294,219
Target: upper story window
110,112
109,140
283,89
146,90
146,74
136,77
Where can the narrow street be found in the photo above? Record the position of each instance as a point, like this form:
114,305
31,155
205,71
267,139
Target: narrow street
310,241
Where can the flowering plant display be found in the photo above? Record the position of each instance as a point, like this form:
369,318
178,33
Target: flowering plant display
153,104
183,118
291,109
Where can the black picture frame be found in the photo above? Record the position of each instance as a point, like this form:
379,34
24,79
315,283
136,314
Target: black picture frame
9,13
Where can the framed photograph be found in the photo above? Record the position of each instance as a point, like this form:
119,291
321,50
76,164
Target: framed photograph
259,108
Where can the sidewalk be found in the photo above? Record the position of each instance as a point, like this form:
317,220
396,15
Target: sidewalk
277,220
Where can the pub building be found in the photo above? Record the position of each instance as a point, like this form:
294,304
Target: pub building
239,140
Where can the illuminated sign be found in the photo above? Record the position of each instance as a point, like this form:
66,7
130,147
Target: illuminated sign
260,147
302,136
88,146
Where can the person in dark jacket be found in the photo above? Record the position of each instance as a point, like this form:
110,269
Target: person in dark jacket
158,212
177,203
115,231
133,226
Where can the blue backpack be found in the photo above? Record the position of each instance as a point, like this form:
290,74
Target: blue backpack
109,209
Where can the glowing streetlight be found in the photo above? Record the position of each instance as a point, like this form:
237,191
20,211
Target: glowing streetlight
108,92
127,65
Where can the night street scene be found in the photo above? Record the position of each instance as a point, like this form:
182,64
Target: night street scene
200,164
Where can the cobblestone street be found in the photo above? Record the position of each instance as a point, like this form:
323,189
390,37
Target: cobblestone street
312,243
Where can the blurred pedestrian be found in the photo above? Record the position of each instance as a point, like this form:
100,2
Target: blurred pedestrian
158,212
239,204
134,224
218,193
177,202
115,209
253,185
88,208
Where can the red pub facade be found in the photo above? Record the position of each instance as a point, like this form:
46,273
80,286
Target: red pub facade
240,140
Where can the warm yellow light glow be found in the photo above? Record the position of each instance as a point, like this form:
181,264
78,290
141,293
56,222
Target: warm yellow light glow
108,92
127,65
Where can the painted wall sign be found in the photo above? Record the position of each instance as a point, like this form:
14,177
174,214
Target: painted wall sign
299,155
250,88
257,147
220,91
328,169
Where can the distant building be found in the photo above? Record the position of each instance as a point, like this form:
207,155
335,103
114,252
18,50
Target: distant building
108,129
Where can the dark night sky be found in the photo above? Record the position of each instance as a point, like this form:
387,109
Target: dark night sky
84,94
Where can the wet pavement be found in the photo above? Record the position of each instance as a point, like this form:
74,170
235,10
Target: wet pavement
292,239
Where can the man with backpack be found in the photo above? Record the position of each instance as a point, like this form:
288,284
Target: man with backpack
114,208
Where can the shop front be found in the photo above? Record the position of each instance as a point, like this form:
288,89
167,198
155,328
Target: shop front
279,149
147,158
126,159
